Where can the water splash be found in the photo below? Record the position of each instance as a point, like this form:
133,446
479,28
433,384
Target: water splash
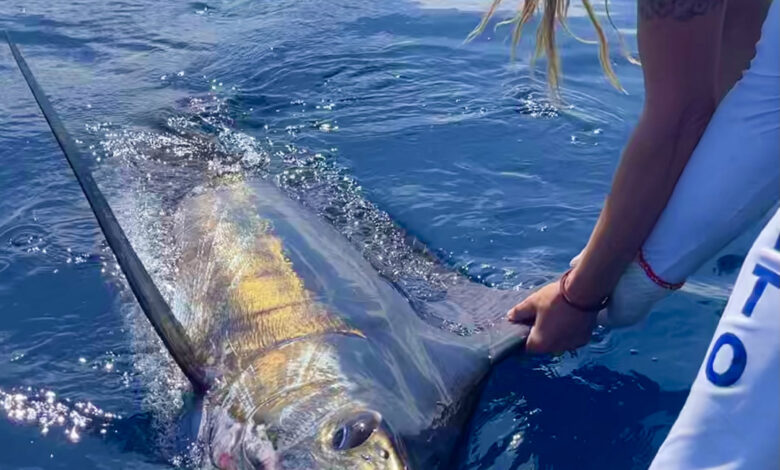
200,145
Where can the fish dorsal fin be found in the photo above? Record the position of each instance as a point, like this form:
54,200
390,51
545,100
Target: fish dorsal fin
149,298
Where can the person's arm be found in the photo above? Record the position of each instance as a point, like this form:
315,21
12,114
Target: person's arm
680,53
679,46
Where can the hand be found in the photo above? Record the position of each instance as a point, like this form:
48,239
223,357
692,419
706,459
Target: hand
555,325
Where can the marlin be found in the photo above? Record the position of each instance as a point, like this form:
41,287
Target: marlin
302,354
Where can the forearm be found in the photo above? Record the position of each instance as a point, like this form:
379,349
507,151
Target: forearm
686,73
653,160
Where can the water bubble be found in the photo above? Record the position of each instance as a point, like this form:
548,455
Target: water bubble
517,439
73,434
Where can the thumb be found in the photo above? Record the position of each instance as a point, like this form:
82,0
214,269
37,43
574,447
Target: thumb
534,343
524,312
576,260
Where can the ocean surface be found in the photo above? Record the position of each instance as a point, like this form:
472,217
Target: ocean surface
346,104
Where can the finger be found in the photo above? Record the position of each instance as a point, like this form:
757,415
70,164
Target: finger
524,312
576,260
535,343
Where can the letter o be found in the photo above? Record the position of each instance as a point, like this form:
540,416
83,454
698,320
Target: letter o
738,362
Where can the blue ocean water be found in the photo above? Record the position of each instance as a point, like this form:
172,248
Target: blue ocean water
460,146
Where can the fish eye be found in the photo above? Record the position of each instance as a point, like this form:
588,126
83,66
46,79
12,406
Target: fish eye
355,430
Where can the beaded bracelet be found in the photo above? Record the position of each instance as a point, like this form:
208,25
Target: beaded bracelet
585,308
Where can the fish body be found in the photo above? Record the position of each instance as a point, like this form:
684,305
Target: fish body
319,361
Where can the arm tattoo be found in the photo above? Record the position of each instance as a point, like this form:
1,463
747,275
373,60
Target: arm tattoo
681,10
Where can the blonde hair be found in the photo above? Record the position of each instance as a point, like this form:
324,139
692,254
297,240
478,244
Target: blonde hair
552,12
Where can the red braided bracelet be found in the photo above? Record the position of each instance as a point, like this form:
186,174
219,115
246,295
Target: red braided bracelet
585,308
655,277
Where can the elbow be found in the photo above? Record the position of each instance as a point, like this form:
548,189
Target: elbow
680,116
678,125
694,118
